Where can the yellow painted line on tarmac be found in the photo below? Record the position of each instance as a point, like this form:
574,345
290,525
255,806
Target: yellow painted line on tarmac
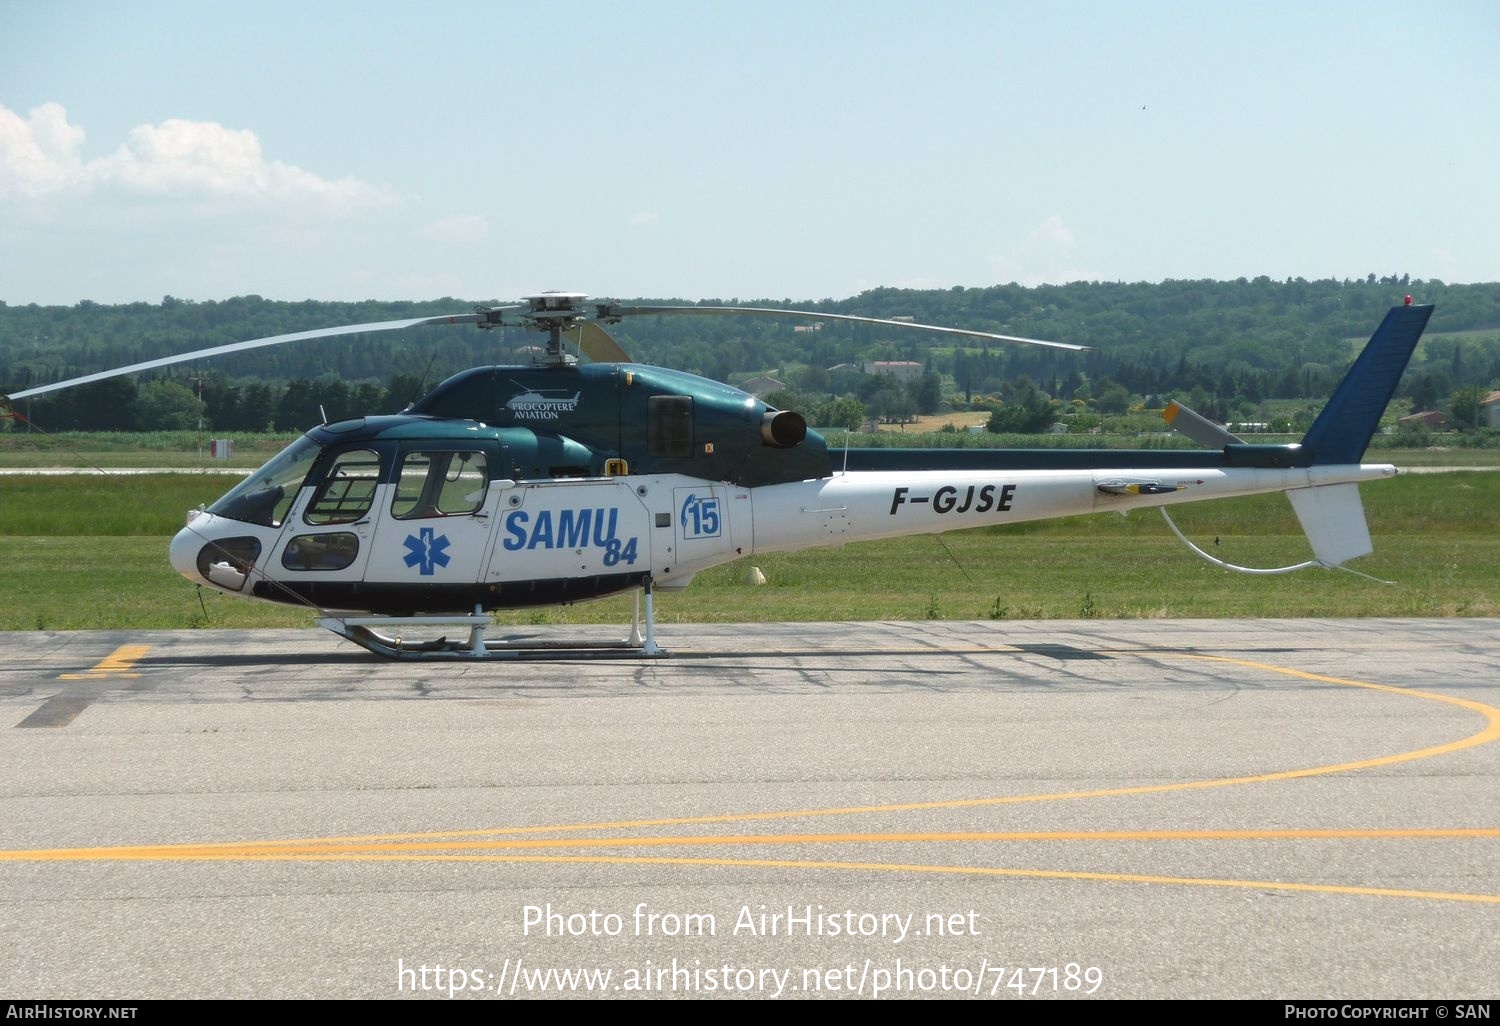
1491,732
407,847
866,652
896,867
1489,712
63,708
292,850
118,663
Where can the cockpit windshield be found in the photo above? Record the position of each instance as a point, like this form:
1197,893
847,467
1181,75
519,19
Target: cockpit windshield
265,496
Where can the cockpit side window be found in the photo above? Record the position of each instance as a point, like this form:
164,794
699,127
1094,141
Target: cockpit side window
440,484
348,489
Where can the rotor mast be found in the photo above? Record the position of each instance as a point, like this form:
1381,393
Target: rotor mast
552,312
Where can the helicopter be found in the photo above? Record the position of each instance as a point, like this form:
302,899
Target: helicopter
588,475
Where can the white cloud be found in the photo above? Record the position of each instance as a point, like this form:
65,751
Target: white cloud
38,155
461,228
1051,238
1043,257
642,218
194,167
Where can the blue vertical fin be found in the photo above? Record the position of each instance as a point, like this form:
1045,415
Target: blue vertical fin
1344,427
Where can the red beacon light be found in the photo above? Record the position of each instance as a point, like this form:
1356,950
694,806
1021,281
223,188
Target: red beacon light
1408,301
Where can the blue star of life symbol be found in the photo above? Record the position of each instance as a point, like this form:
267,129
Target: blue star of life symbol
427,551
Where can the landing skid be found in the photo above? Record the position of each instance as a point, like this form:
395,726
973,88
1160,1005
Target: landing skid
362,631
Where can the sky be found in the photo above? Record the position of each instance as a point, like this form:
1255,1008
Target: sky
734,150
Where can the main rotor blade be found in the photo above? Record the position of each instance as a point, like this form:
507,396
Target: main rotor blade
596,343
254,343
612,312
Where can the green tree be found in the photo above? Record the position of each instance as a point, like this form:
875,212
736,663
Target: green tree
298,408
166,406
108,405
1113,399
811,379
792,399
885,399
1027,410
927,392
1423,392
366,399
1463,408
403,390
845,412
332,398
221,402
257,409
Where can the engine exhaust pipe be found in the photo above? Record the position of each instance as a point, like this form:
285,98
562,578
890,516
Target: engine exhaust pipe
783,428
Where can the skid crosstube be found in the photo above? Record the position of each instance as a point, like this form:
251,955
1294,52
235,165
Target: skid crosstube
640,644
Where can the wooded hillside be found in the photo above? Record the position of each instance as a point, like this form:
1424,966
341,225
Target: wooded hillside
1222,342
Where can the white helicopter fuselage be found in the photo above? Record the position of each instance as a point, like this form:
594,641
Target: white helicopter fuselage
866,506
607,534
508,486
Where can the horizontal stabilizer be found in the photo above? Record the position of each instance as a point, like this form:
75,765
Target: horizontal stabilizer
1333,518
1196,426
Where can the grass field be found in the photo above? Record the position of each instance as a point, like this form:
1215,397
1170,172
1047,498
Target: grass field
90,552
177,449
